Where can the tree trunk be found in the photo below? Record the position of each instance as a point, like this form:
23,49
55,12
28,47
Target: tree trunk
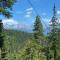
55,54
0,54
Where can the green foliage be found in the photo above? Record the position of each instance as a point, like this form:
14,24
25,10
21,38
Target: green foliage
38,28
31,51
2,50
1,35
53,35
14,41
5,7
18,45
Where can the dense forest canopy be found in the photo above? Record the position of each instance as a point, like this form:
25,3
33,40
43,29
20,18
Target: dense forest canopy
20,45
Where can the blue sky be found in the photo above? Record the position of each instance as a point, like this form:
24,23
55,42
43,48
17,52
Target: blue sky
24,14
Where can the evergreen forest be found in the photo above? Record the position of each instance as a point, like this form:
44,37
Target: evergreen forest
36,45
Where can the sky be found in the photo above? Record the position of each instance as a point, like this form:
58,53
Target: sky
24,13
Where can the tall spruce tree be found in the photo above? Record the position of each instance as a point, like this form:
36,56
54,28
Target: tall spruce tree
53,34
38,28
5,7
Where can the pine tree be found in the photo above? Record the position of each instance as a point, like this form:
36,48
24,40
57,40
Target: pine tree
53,34
5,7
1,38
38,33
38,28
1,30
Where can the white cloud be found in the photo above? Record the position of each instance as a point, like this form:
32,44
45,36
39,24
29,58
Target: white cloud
28,15
10,22
29,12
29,9
13,24
58,12
59,20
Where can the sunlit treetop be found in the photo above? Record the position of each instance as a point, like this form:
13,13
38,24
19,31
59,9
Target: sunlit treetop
5,7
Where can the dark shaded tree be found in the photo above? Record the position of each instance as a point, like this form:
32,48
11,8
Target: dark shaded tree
53,34
5,7
1,37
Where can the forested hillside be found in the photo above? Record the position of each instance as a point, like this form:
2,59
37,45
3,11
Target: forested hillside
19,45
18,37
17,42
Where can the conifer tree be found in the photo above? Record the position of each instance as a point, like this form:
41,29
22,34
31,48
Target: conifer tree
1,37
53,34
5,7
38,28
38,32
